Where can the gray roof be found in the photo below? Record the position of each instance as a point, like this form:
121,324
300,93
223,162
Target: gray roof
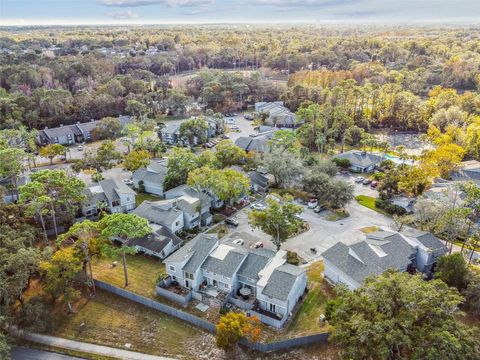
469,170
111,190
155,172
374,255
257,144
155,212
259,179
281,281
256,260
427,239
360,159
227,266
59,131
196,251
171,128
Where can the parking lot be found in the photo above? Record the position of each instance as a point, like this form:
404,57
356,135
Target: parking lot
322,233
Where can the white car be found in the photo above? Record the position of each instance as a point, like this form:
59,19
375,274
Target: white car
238,241
80,148
128,182
313,203
258,206
230,121
359,179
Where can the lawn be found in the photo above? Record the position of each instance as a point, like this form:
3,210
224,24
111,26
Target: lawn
143,273
113,321
306,320
369,202
141,197
336,215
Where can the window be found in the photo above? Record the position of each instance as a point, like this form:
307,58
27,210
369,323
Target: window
188,276
177,223
272,307
115,203
172,268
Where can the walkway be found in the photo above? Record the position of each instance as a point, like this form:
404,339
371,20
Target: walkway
85,347
23,353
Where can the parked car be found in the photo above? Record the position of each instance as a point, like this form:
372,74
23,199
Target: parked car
208,145
238,241
258,206
258,245
234,128
231,221
319,209
359,179
230,121
225,136
312,203
80,148
128,182
374,184
299,217
366,182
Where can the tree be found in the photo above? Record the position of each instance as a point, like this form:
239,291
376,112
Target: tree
233,326
124,227
65,193
33,194
283,165
52,150
472,292
12,165
194,129
180,162
107,128
445,158
284,139
131,132
85,237
336,193
62,273
414,180
397,315
452,270
226,184
280,219
228,154
136,159
151,143
4,345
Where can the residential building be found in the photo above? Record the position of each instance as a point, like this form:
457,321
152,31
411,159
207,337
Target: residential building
111,195
361,161
163,212
170,133
381,251
201,201
257,280
255,143
278,115
468,171
151,178
159,244
72,134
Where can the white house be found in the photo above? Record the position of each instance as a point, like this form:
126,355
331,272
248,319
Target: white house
361,161
259,281
163,212
152,177
111,195
381,251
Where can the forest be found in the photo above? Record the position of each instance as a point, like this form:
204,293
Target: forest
403,78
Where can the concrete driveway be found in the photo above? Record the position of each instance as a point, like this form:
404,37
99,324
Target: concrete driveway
322,233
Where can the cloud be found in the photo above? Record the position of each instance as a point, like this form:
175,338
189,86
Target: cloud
169,3
122,15
306,3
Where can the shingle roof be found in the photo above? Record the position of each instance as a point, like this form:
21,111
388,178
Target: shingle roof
153,212
281,281
226,266
196,251
59,131
152,242
360,158
371,256
155,172
256,260
259,179
427,239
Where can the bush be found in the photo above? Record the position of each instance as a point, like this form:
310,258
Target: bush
391,209
342,162
292,258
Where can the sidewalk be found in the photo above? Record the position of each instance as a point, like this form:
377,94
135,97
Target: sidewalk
84,347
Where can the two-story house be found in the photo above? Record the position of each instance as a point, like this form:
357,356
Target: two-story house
151,178
110,195
163,212
199,201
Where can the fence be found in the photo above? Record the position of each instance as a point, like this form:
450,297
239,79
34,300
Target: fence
208,326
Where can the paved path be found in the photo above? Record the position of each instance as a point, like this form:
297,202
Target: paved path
22,353
86,347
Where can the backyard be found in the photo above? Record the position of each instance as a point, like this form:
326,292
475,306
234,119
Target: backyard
306,320
141,197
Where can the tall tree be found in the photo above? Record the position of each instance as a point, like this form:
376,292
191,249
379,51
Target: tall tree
12,165
124,227
51,151
280,219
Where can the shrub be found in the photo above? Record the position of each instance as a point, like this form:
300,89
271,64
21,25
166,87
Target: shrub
342,162
391,209
292,258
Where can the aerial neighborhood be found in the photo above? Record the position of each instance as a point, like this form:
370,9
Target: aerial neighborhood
163,198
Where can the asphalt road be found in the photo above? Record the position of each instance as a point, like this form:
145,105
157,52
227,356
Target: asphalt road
22,353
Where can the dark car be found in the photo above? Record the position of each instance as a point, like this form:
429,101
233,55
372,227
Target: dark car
231,221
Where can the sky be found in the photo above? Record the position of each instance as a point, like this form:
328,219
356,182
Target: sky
59,12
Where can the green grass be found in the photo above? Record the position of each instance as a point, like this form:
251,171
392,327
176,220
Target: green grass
113,321
337,215
369,202
143,273
141,197
306,320
369,229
